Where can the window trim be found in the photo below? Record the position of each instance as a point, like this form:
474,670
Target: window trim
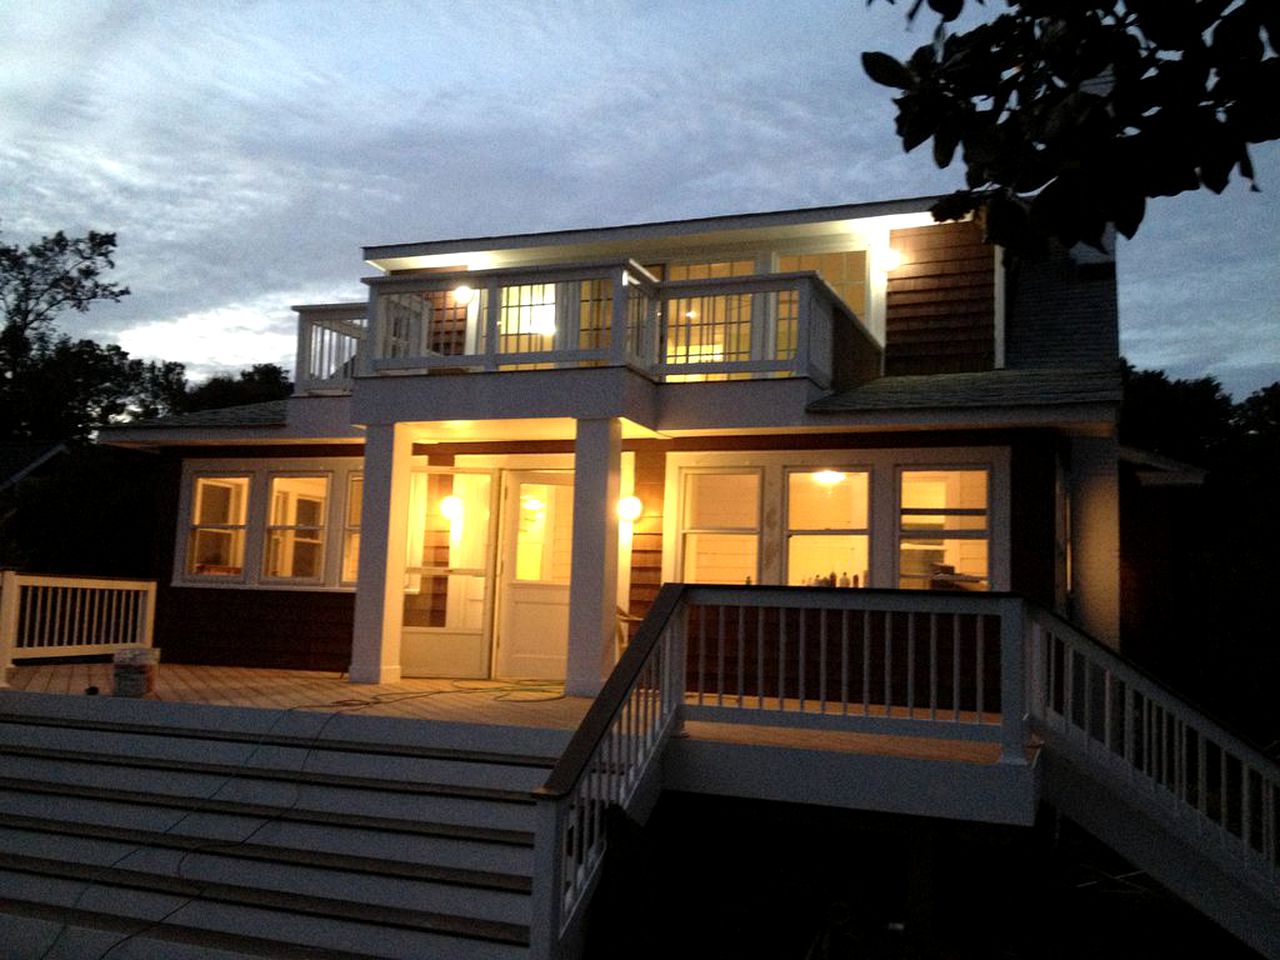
260,472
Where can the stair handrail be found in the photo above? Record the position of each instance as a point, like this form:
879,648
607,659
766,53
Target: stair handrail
611,760
1154,753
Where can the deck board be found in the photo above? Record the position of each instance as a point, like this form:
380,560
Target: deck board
520,703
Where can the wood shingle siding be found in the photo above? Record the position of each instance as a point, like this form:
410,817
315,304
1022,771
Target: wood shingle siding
940,304
283,629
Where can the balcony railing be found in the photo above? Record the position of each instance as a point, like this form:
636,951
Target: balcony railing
330,339
586,315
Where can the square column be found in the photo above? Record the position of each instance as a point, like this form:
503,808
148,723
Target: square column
593,585
384,510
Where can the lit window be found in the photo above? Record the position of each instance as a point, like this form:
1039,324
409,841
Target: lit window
828,538
944,533
447,551
351,530
721,527
295,533
218,514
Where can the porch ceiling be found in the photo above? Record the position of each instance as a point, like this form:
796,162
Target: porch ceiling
492,431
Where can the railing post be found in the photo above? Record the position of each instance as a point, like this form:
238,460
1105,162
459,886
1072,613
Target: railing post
620,308
548,879
804,326
147,622
1013,683
8,622
493,307
303,374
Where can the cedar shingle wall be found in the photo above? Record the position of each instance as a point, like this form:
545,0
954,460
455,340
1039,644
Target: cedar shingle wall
646,544
294,630
940,304
1062,313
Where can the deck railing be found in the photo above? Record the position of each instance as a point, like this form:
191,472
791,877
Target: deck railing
330,339
877,661
1162,754
583,315
48,616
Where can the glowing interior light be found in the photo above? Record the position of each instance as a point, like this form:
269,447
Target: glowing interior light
691,314
463,295
543,320
828,478
630,508
452,507
533,504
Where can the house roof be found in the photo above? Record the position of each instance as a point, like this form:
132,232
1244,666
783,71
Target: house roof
641,238
992,388
270,413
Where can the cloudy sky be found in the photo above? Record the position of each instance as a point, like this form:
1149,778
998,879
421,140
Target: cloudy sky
244,152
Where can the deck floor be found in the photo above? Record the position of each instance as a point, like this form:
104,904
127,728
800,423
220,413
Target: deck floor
514,702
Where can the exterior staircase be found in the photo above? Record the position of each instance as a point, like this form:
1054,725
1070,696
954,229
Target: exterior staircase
201,831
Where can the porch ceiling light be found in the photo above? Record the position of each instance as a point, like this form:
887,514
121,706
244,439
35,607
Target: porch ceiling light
463,295
828,478
452,507
630,508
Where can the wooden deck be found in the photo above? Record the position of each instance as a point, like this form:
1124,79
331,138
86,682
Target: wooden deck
513,702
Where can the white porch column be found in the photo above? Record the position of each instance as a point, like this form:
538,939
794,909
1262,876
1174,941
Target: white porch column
597,468
1095,534
375,642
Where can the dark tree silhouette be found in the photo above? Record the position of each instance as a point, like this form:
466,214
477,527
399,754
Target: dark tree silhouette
1070,114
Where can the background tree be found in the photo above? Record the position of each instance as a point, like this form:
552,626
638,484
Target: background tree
1070,114
261,382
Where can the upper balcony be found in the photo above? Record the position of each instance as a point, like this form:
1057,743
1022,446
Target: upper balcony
599,314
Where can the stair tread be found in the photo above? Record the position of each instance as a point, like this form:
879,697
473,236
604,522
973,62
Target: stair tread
168,932
240,772
519,838
296,903
455,876
495,758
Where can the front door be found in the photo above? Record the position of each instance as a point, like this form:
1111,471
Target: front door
448,571
533,575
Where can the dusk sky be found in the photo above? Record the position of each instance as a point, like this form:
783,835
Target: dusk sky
244,152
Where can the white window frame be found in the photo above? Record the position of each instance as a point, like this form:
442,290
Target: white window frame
884,465
337,471
325,526
683,530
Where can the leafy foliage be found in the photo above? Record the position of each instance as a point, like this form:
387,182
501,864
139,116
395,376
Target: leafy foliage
1071,114
261,382
1210,630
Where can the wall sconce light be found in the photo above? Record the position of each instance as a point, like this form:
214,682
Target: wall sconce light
629,509
452,508
463,295
890,259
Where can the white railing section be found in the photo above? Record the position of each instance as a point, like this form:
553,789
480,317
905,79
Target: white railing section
1164,755
611,761
47,616
598,314
580,315
767,325
330,338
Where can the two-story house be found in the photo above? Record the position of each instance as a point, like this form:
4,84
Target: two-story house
497,459
833,492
